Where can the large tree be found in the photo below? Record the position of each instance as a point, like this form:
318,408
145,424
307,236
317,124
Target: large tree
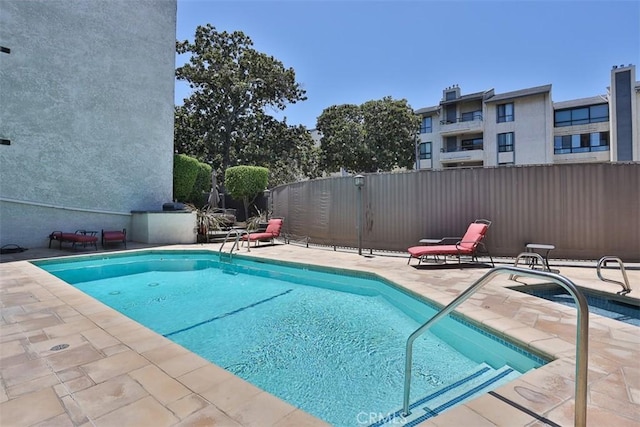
232,86
379,135
287,151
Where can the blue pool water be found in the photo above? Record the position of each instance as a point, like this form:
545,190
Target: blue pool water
331,344
623,309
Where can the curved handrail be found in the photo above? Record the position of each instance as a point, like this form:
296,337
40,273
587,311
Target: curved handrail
626,288
238,233
582,333
533,255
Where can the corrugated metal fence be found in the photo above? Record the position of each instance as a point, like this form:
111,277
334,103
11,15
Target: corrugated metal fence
585,210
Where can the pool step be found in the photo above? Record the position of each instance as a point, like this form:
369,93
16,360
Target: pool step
481,380
226,264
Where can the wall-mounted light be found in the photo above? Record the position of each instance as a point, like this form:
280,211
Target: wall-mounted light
358,180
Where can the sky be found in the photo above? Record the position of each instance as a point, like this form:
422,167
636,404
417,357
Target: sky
353,51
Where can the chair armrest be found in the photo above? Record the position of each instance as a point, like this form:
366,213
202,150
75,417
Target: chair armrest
454,240
430,241
475,242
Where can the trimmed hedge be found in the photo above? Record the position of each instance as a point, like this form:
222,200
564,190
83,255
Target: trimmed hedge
201,185
245,183
185,173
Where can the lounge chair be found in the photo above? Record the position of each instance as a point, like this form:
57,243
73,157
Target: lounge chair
114,236
80,237
468,245
273,230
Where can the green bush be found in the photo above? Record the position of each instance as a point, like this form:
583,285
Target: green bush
185,172
245,183
201,186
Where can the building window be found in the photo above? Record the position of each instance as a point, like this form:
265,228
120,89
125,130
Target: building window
471,116
581,115
426,126
581,143
472,144
505,142
505,113
425,150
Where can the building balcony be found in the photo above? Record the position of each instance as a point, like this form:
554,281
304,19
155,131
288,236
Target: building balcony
461,125
476,155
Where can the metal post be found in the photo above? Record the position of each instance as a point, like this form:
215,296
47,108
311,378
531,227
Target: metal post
359,183
359,221
417,150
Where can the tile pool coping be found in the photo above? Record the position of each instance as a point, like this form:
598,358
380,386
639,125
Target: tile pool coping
108,350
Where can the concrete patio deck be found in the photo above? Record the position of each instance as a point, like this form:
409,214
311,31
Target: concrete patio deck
116,372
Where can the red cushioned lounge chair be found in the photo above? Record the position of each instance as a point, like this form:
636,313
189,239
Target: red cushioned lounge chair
80,237
273,230
468,245
114,236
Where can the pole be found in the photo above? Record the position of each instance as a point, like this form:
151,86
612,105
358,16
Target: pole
359,220
359,183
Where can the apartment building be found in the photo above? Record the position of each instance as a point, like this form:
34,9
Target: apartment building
525,127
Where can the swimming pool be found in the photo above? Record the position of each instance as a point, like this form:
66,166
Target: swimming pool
617,307
332,344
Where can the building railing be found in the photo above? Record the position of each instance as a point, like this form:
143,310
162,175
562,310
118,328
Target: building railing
475,117
461,148
572,150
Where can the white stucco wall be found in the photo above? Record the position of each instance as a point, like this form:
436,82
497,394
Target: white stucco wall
164,227
87,103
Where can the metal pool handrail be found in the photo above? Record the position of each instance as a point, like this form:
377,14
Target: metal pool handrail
582,333
626,288
238,234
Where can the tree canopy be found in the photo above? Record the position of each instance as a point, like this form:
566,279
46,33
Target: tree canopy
224,121
379,135
245,183
287,151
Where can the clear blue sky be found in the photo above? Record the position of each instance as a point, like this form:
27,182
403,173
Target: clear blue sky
350,52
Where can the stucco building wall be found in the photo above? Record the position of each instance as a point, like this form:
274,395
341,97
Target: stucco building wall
87,105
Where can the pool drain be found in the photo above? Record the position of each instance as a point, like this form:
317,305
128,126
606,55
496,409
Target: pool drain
154,284
114,293
59,347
